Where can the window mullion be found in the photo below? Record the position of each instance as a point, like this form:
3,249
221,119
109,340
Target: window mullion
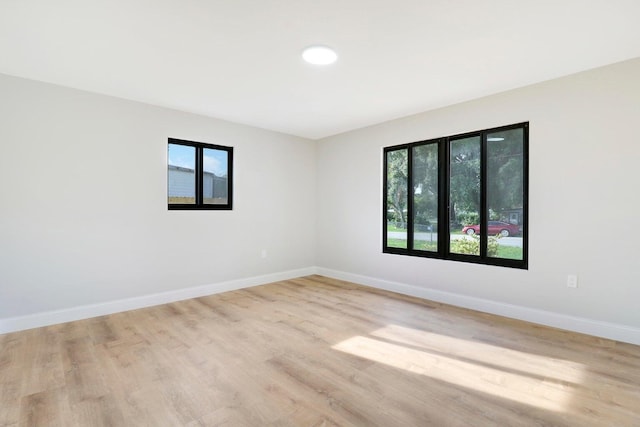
444,198
484,215
385,198
199,174
410,201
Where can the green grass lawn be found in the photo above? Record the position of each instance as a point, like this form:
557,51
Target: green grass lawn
509,252
420,245
506,252
391,227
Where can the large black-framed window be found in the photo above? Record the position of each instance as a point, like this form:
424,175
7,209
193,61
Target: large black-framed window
462,197
199,176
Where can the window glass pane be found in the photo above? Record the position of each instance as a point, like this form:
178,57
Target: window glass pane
397,176
181,174
215,185
505,193
464,196
425,197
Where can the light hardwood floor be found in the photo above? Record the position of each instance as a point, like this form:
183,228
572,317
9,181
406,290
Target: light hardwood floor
313,352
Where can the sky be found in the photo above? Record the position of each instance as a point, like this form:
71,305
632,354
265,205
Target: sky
214,160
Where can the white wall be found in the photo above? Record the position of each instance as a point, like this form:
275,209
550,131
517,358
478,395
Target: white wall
83,216
83,209
584,199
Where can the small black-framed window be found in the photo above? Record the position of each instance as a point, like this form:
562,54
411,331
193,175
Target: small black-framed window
199,176
461,197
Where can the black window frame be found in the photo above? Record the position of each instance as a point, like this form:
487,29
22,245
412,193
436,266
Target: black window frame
443,229
199,176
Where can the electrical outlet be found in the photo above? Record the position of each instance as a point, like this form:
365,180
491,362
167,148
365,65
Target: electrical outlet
572,281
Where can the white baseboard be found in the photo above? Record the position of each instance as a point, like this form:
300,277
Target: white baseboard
612,331
596,328
36,320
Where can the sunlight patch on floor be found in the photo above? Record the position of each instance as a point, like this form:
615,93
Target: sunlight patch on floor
528,364
516,376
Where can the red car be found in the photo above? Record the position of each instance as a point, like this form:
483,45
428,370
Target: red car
495,227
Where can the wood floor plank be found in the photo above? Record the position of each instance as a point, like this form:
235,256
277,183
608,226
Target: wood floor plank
47,408
314,351
11,377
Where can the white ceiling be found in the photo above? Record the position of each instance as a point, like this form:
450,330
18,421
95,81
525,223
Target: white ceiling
239,60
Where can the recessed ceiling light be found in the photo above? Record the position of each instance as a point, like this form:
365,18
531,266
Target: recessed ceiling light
319,55
495,138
